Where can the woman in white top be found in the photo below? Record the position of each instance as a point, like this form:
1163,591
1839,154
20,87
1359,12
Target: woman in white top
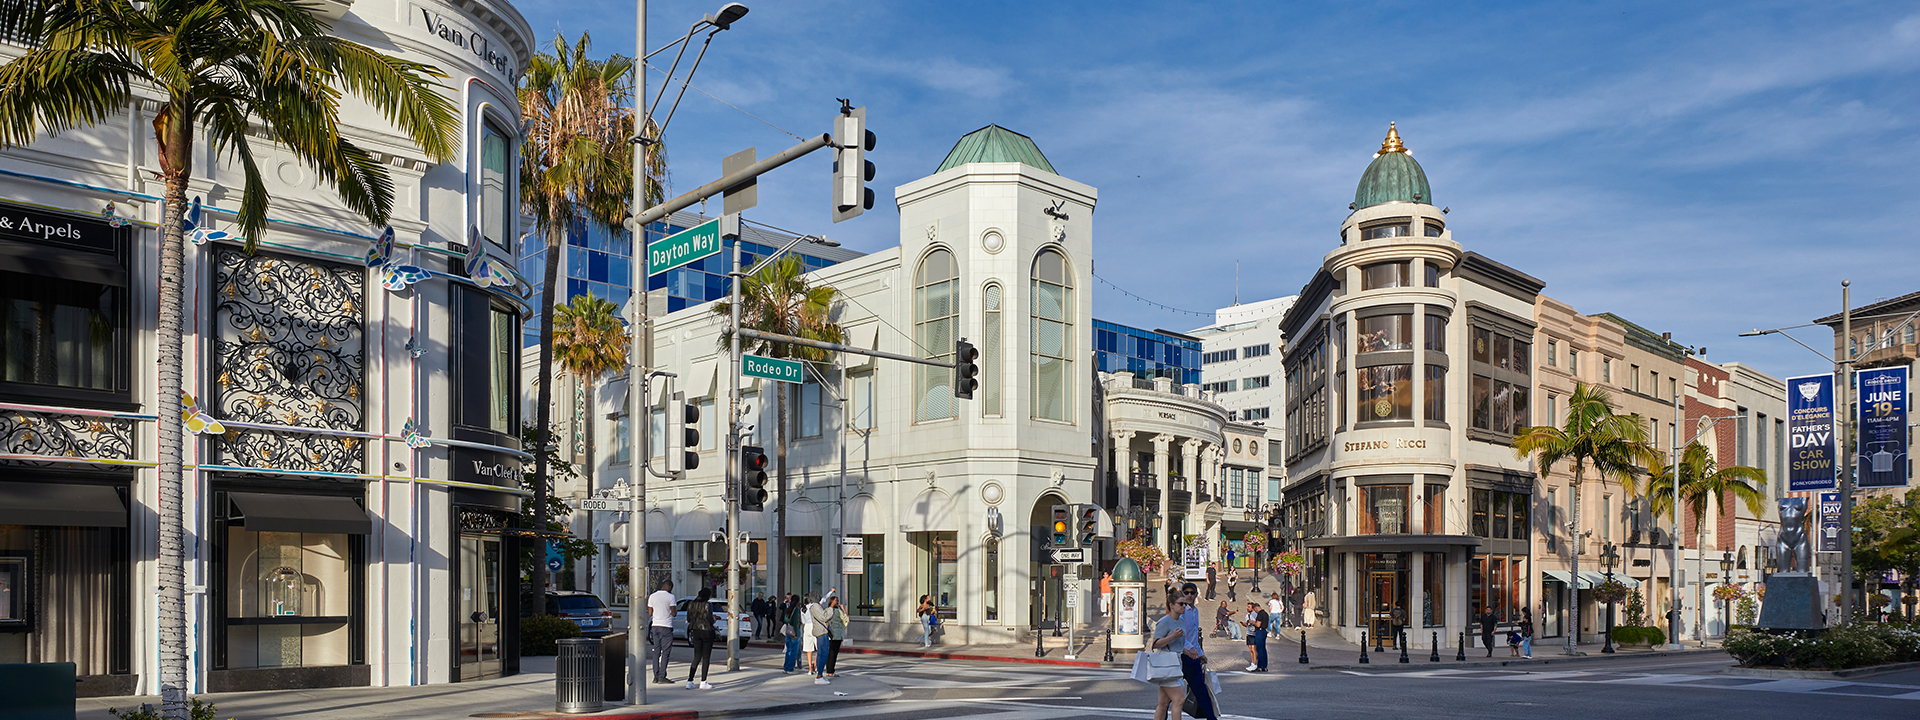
808,635
1167,637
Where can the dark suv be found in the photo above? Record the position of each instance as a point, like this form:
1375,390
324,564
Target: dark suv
583,609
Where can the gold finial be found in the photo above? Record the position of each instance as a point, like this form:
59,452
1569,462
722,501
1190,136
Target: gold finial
1392,143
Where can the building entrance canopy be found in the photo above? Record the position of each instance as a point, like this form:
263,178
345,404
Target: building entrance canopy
1589,578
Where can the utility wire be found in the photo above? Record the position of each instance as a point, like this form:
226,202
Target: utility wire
728,104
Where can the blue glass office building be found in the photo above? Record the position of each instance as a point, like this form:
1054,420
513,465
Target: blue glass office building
1146,353
598,260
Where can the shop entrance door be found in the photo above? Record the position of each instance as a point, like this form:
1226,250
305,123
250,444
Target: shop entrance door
1385,594
478,607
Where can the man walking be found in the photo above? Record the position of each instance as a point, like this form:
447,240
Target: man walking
660,629
1257,620
1487,621
758,608
1277,611
1193,657
1212,575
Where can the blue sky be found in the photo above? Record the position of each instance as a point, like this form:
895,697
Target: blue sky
1700,168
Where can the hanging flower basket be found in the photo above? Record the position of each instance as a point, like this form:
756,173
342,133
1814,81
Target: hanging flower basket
1611,591
1289,563
1254,543
1145,554
1729,593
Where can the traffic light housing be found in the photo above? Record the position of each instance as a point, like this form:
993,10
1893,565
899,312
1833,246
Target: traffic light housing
1087,527
1062,525
683,435
753,479
851,169
966,369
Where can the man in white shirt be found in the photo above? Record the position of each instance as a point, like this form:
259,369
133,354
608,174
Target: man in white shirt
660,629
1277,611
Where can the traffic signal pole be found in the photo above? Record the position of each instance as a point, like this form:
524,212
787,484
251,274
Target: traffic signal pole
734,556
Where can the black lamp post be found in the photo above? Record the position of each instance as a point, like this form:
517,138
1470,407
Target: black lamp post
1726,606
1610,556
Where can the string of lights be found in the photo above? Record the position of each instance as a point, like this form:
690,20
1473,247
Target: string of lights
1162,306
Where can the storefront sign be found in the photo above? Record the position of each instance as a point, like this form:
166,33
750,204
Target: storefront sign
1883,427
39,226
1810,438
471,41
1829,522
486,468
1394,444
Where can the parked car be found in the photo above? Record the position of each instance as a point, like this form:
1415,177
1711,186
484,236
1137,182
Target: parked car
719,619
583,609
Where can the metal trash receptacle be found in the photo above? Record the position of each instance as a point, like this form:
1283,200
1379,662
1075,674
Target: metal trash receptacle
578,676
613,656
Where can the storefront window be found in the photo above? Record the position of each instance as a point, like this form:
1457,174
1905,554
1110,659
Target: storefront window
1433,597
992,595
939,570
1386,510
1498,583
1482,509
60,597
288,600
1386,332
1386,392
1436,510
58,332
867,592
1436,394
1387,274
1436,329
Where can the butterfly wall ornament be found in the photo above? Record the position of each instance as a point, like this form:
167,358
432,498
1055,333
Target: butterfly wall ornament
410,433
397,275
197,421
414,348
482,270
113,219
195,225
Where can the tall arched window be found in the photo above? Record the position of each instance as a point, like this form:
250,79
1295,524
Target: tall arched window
1052,337
936,304
990,342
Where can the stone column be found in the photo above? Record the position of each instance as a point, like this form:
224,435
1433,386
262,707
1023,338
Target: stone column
1123,475
1161,479
1190,469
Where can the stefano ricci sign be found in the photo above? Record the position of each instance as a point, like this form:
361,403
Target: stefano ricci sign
453,31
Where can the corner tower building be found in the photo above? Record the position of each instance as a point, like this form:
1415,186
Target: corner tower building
1407,368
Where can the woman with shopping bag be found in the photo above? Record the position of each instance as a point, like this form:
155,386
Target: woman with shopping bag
1159,663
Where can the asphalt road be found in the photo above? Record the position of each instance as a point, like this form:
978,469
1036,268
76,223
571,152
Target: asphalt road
1666,688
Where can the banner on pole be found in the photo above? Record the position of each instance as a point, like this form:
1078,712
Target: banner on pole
1829,522
853,556
1883,427
1810,433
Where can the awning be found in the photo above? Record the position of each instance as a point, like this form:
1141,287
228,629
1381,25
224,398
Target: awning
65,264
1589,578
56,504
1392,541
301,513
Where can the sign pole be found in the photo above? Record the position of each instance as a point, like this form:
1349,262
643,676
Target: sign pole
636,370
733,489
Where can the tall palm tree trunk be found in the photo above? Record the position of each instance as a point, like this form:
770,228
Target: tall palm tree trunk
175,135
1573,586
543,408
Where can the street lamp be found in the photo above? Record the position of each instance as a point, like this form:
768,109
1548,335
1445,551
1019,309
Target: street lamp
1610,556
1726,606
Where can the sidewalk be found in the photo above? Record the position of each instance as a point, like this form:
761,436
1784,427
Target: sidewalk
752,690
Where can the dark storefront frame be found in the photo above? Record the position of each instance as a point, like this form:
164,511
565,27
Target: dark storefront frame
119,678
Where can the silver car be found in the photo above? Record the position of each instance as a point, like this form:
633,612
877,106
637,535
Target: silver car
719,619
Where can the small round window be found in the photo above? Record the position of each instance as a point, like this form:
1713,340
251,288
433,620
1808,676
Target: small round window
1236,445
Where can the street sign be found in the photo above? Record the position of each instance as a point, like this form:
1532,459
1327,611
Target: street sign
853,556
683,247
1073,597
1069,556
607,504
555,561
771,368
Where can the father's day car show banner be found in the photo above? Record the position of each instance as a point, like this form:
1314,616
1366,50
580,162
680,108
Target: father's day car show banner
1810,433
1883,427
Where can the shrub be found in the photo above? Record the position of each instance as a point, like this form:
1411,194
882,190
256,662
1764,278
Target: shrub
198,711
1857,644
1636,634
1636,609
538,634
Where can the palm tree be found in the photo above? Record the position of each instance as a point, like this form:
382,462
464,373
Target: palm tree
1593,434
229,69
778,299
589,341
1702,481
575,162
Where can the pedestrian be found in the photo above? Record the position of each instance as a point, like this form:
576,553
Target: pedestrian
814,641
1397,619
1106,593
1167,637
1193,660
925,615
1257,621
1233,579
1487,621
1526,633
836,631
700,637
1220,619
759,609
790,632
660,629
1277,611
1513,643
1212,575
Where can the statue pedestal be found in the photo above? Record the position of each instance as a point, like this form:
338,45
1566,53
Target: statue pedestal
1792,603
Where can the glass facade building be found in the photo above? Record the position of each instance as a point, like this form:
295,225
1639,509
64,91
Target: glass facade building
1146,353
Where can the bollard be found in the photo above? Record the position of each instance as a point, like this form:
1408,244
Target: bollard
1109,657
1403,647
1436,647
1039,636
1303,647
1376,644
578,685
1462,656
1363,648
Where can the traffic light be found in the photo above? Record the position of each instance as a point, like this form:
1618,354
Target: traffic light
851,170
966,369
1062,529
683,436
753,479
1089,525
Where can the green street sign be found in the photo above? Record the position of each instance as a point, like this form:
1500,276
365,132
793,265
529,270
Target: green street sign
771,369
684,247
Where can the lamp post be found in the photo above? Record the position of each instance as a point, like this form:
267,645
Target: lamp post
1726,606
1610,556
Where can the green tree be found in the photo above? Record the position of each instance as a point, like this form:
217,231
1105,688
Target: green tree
778,299
1593,434
230,71
589,341
571,548
576,162
1887,537
1702,481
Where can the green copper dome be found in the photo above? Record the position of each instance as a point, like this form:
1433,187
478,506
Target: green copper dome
992,144
1394,176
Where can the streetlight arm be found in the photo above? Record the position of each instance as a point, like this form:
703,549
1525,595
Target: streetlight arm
1781,332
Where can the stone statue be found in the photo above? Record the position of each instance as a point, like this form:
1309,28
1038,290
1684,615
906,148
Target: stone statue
1792,548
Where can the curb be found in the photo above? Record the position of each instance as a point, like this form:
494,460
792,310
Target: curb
959,656
1393,662
1820,674
704,714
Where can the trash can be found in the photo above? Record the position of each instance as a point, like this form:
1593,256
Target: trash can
613,655
577,676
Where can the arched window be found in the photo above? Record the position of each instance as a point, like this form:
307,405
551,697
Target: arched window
1052,337
936,310
990,341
